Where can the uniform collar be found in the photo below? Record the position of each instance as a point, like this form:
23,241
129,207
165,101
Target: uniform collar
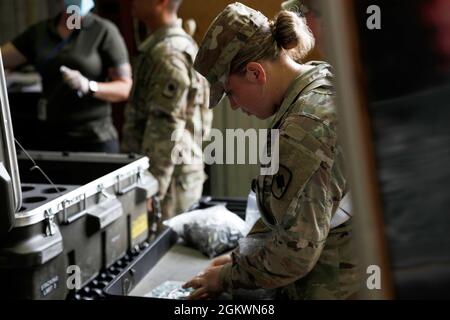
159,35
321,70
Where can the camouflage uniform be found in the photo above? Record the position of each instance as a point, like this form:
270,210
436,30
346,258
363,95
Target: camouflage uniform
169,96
292,248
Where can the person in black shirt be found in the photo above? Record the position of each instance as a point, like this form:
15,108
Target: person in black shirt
83,71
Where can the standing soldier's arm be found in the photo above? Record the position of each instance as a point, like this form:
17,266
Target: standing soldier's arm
299,199
131,140
206,112
167,117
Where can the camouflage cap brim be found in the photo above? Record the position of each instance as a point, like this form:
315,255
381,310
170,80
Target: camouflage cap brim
217,92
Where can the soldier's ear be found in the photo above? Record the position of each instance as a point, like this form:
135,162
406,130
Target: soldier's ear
255,73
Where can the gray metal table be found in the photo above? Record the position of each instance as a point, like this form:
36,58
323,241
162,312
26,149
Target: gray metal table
178,264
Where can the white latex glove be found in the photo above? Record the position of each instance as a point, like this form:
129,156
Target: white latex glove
75,80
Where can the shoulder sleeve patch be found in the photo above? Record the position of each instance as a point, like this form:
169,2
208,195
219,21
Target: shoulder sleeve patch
281,182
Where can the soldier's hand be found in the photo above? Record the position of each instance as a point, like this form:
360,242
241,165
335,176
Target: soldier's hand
75,80
220,261
206,284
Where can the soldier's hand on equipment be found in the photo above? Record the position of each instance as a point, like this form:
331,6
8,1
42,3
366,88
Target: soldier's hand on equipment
75,80
206,284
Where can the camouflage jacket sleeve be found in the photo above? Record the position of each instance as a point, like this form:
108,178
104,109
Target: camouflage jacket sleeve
166,121
130,133
296,207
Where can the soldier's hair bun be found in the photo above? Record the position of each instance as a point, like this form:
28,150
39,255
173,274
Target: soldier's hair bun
287,31
291,32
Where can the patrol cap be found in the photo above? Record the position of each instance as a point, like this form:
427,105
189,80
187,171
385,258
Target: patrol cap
226,36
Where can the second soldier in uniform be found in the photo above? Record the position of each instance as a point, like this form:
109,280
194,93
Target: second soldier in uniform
168,109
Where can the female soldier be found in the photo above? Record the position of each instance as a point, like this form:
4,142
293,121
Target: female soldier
84,69
294,248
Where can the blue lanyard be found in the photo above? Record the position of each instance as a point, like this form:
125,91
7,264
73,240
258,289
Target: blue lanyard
41,66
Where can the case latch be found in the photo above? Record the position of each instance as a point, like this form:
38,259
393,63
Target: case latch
50,229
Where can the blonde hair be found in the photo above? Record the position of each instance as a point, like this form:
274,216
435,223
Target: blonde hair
287,31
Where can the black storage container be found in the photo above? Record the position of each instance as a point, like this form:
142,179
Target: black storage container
56,238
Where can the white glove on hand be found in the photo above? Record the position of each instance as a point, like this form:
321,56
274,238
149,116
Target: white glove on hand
75,80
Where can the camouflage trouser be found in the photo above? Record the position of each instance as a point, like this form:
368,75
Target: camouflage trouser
184,191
